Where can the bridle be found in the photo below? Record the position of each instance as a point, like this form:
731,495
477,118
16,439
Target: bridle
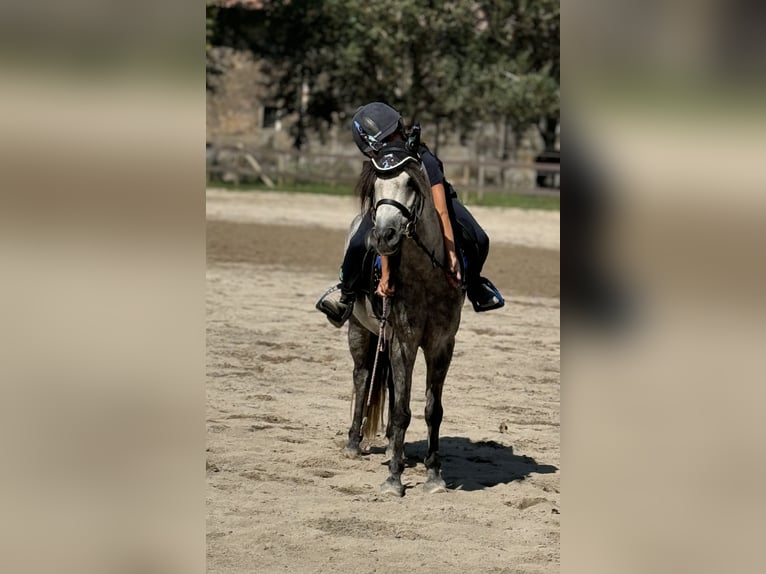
391,159
412,216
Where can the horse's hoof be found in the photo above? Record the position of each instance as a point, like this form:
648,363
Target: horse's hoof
435,485
351,452
392,487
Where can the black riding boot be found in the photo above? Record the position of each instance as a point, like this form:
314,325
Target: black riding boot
337,309
483,295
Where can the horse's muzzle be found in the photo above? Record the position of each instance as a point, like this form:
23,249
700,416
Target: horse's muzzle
387,240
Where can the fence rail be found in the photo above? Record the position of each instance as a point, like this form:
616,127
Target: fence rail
238,163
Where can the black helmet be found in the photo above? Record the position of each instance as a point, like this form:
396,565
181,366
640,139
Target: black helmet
372,124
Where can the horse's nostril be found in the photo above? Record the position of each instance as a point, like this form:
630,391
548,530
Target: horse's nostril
389,234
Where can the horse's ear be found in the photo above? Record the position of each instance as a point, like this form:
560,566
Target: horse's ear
413,140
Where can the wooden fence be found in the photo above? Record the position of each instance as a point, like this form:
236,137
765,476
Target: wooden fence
238,163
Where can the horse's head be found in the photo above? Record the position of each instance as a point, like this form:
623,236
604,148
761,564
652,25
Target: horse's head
397,192
398,204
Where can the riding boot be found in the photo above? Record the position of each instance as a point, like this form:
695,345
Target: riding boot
338,310
484,296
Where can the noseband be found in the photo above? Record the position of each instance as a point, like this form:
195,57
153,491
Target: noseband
411,216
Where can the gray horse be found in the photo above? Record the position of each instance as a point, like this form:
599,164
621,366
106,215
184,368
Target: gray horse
424,313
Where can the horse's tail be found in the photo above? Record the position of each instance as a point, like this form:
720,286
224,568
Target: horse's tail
373,415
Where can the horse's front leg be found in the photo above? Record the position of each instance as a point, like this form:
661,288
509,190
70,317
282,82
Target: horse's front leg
389,418
359,340
402,363
437,363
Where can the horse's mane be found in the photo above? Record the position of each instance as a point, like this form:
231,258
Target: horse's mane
365,185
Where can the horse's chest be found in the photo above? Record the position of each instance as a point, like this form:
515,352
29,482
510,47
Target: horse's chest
421,320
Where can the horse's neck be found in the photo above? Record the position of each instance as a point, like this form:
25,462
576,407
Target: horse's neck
425,302
430,230
430,234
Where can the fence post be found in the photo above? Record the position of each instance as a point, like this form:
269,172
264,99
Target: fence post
480,183
281,168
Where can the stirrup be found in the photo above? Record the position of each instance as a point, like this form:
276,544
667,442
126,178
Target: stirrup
337,312
487,298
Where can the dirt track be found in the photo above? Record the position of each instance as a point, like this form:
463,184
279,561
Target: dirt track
282,498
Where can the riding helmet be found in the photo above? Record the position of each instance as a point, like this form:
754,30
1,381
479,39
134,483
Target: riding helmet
372,124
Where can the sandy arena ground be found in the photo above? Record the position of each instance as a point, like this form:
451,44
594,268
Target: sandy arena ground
282,498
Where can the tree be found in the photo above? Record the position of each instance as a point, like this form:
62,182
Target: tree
454,63
522,65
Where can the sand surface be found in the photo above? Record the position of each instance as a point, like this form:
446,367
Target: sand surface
281,496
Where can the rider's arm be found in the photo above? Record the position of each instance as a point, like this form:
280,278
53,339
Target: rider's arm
440,202
385,287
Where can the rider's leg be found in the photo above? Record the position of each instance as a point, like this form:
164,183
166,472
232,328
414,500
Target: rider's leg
483,295
353,260
339,310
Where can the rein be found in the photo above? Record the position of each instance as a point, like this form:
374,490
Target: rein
434,262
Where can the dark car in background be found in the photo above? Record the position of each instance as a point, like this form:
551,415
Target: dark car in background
549,177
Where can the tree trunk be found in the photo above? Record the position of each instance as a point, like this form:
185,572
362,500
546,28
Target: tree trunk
504,154
506,127
300,129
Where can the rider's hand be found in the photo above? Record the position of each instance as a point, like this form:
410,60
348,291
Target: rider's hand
454,276
385,287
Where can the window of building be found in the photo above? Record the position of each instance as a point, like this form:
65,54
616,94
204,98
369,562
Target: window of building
270,116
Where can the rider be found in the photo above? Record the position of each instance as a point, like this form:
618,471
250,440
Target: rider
373,125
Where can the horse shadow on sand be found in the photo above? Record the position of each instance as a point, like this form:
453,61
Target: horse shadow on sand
469,465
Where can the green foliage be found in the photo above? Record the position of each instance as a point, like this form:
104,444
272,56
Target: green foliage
456,62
